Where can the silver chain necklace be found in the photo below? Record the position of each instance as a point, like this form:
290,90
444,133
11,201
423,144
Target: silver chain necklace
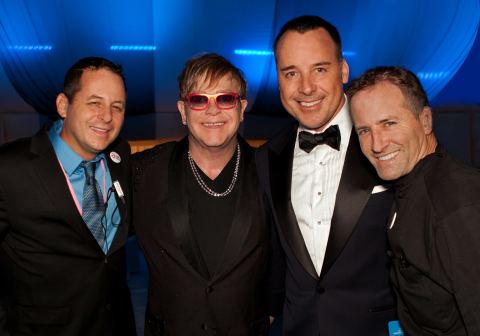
204,186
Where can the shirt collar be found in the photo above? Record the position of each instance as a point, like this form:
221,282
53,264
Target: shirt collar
69,159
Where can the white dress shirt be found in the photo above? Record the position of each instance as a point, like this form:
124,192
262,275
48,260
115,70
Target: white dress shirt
315,179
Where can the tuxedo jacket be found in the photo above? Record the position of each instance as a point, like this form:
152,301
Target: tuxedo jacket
56,280
352,295
183,299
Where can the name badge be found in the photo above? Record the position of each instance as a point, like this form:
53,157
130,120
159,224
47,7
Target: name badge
394,329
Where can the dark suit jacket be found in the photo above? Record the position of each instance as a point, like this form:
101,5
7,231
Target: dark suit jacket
352,295
183,300
57,280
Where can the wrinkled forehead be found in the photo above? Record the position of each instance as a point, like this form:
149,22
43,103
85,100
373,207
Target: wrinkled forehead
209,81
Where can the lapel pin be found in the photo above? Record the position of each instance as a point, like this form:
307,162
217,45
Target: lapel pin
115,157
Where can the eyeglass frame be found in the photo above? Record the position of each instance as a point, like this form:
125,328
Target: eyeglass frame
209,96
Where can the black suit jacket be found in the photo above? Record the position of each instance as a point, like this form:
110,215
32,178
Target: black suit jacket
56,278
183,299
352,295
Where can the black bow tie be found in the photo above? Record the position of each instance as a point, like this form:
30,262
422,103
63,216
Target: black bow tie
307,141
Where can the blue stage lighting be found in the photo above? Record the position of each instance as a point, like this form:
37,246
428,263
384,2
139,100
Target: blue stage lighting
30,47
431,75
133,47
250,52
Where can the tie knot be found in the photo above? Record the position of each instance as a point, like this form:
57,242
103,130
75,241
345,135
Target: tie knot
308,141
89,167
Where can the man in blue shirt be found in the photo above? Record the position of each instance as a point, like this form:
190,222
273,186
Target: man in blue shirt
64,214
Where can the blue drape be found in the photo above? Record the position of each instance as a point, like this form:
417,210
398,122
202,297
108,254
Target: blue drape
39,40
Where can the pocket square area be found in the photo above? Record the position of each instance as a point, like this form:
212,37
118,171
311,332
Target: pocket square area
380,188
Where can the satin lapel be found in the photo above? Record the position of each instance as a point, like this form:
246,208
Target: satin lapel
46,166
178,209
242,217
356,185
120,172
280,170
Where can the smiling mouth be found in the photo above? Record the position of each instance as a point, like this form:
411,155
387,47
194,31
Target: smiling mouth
99,130
214,124
389,156
310,103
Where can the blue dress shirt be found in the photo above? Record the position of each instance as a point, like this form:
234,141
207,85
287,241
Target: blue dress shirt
70,161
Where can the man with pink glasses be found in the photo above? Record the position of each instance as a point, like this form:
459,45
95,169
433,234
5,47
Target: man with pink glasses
199,216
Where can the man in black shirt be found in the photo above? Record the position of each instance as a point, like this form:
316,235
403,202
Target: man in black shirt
434,230
199,216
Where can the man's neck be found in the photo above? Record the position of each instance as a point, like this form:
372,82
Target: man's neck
212,160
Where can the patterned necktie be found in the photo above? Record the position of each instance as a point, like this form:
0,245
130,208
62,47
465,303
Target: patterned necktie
93,207
308,141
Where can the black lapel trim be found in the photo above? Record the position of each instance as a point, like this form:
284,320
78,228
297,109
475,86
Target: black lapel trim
45,164
242,218
280,170
356,184
178,208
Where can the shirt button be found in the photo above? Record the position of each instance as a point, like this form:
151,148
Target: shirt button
319,193
319,222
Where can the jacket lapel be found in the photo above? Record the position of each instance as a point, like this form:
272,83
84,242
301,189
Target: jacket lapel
45,164
242,218
178,209
280,159
356,184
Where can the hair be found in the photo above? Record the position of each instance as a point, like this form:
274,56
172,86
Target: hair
71,83
213,67
306,23
404,79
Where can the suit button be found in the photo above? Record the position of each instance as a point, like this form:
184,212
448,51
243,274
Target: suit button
320,289
106,261
108,306
208,290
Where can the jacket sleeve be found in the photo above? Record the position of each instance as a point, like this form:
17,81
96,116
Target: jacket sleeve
458,245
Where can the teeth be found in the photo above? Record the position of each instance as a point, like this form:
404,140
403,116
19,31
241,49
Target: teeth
388,156
99,129
214,124
309,104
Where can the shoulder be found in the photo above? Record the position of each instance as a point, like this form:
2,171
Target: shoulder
153,155
451,184
17,147
279,140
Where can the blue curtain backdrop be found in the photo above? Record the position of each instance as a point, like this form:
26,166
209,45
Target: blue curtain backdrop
39,40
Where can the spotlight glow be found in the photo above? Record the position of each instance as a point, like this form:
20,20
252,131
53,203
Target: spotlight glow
252,52
30,47
133,47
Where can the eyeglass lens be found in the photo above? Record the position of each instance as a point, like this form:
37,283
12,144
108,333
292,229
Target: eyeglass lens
223,101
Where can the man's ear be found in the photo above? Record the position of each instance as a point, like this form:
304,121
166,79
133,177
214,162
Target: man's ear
62,105
426,120
243,107
181,109
345,71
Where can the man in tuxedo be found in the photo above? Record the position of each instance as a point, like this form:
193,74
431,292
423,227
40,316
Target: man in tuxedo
329,207
199,214
64,214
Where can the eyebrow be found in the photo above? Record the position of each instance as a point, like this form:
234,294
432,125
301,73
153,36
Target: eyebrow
93,96
290,67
